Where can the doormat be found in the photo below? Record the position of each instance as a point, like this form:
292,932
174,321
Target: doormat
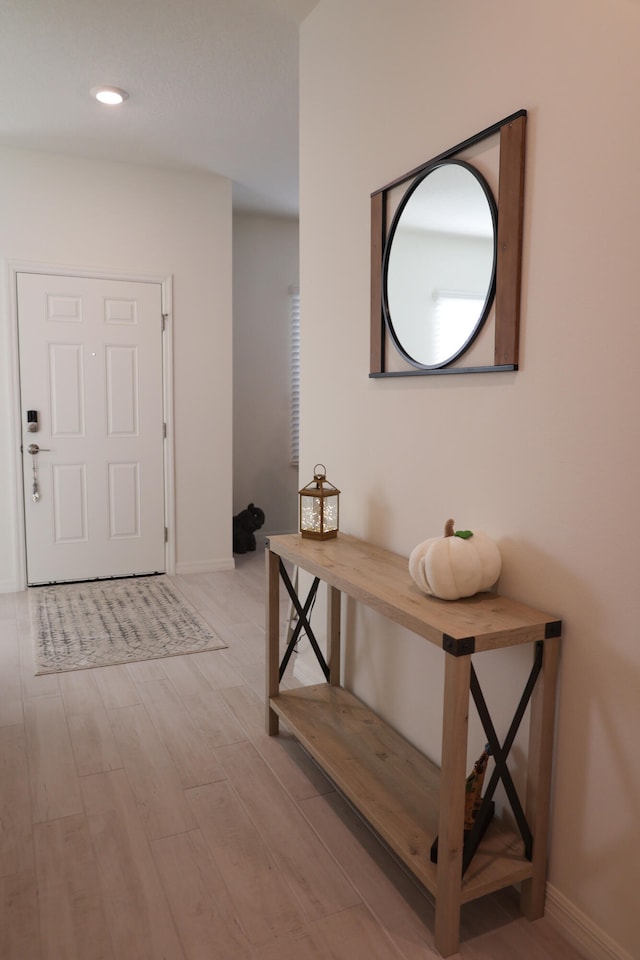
81,625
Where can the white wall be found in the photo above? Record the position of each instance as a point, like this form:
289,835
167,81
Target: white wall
546,459
265,265
108,216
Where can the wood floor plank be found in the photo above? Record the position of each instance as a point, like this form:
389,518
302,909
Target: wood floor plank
11,699
52,770
215,667
142,671
190,749
213,605
214,720
228,601
253,674
263,901
185,676
397,903
250,567
304,944
519,938
16,835
33,687
293,767
154,780
208,601
199,900
19,925
354,935
245,643
116,687
135,905
480,916
546,933
72,919
505,942
94,745
287,833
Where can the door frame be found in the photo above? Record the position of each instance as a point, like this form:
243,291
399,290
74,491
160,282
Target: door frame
166,288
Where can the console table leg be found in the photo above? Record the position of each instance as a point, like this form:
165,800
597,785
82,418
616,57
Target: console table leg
272,637
333,623
543,703
451,824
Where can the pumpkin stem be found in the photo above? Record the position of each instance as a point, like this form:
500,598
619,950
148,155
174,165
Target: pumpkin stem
448,528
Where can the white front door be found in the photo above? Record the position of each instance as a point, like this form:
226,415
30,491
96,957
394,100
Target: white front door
91,372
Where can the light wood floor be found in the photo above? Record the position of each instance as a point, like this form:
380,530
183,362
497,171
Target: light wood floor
144,813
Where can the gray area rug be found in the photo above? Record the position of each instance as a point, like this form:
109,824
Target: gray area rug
82,625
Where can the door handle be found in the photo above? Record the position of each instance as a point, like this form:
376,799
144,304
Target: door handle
33,449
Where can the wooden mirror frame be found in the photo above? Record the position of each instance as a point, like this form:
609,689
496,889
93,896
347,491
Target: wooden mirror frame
510,202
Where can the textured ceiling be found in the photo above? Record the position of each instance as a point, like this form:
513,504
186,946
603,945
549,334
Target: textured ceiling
213,86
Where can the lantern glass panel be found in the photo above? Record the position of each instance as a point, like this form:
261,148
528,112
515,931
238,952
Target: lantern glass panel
330,514
311,514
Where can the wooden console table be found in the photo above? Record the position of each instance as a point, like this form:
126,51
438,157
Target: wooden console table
406,798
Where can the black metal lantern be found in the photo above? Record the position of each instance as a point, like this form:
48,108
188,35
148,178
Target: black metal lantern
319,503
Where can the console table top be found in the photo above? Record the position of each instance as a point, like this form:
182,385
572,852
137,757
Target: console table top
381,580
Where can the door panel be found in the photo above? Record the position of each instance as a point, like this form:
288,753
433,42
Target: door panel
69,488
124,500
91,365
122,391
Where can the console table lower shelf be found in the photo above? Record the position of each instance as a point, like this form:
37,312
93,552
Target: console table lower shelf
394,786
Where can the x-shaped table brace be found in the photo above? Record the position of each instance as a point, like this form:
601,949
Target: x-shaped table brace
500,754
302,624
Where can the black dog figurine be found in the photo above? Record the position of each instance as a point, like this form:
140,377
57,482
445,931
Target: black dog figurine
244,525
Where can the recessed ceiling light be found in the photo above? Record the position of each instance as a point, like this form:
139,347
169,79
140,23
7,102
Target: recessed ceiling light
110,95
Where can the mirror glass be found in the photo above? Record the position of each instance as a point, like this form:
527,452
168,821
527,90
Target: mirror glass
439,264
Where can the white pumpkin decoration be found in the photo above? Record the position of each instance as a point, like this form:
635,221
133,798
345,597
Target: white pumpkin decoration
456,565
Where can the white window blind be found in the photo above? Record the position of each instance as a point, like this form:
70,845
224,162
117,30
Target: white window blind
294,319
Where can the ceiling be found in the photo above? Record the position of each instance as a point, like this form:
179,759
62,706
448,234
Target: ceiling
213,86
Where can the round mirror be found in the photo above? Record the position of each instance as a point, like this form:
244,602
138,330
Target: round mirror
439,264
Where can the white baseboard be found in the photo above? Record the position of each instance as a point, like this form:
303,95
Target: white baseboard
580,930
206,566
